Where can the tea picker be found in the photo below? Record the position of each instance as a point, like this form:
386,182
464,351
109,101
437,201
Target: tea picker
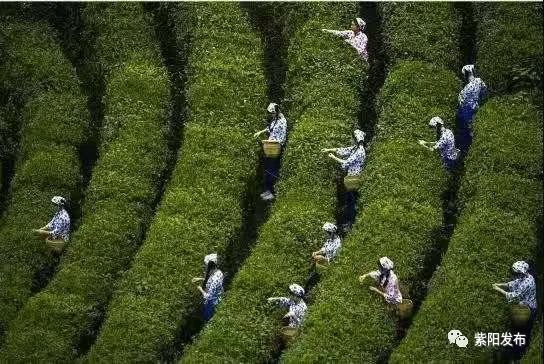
470,99
354,37
389,288
273,148
445,143
57,231
330,248
213,285
522,290
353,164
297,310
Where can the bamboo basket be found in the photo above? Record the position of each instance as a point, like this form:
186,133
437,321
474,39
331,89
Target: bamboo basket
405,308
271,149
352,183
56,245
321,267
288,334
520,315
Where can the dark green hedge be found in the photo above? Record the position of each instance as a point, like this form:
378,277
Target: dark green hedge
501,196
120,195
400,208
509,41
202,208
421,31
400,201
323,78
54,118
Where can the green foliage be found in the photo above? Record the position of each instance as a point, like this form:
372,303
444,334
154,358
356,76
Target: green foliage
501,196
323,78
54,117
534,354
400,208
421,31
201,210
510,50
120,195
400,199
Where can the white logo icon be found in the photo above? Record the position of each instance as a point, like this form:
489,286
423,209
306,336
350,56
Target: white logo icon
453,335
462,341
457,337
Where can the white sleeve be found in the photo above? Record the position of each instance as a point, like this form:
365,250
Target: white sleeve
345,34
344,152
441,142
50,223
375,275
284,301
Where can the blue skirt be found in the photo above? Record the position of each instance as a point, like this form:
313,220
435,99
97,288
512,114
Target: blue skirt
465,116
209,309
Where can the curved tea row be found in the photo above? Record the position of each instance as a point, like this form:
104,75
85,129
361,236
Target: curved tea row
54,118
119,196
500,199
400,203
201,211
323,77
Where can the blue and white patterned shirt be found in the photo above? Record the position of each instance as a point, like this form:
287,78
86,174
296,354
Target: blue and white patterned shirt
391,290
473,93
297,310
523,290
331,247
354,163
446,145
359,41
60,225
214,287
278,129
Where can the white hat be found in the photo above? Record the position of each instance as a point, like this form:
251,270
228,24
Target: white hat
58,200
386,263
467,68
520,267
210,258
296,290
435,121
361,23
329,227
359,135
272,107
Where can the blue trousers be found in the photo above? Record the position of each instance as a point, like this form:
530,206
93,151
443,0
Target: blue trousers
465,116
449,163
351,206
271,172
208,310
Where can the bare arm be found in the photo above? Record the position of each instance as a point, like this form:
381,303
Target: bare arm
329,150
338,33
501,284
260,133
374,289
320,251
335,158
497,288
201,291
427,145
364,276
